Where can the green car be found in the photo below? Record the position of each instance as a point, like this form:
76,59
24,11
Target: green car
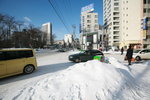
85,55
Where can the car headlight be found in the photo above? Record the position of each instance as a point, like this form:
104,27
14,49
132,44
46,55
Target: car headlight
70,57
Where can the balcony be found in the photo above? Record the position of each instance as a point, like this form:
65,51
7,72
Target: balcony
116,23
115,28
116,18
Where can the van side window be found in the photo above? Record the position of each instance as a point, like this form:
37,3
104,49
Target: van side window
11,55
25,54
18,54
2,56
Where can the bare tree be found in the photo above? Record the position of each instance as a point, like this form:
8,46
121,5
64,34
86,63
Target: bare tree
53,38
12,34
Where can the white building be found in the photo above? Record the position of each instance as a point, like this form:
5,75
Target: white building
122,20
47,29
89,27
111,17
89,22
68,39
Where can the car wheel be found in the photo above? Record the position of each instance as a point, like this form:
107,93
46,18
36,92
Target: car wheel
28,69
77,60
138,58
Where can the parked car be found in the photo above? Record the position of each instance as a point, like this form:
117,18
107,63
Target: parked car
85,55
142,55
136,51
62,50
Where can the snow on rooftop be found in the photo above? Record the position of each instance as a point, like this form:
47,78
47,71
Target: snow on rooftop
92,80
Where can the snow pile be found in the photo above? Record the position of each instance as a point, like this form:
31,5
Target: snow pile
91,80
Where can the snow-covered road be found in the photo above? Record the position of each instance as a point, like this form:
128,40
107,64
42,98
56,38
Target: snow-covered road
59,79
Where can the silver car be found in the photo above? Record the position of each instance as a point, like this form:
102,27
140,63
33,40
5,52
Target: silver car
142,55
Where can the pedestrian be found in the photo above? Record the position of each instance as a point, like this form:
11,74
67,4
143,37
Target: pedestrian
122,49
129,54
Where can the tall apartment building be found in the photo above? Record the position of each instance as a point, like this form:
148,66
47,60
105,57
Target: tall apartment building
146,23
111,19
130,12
122,20
47,29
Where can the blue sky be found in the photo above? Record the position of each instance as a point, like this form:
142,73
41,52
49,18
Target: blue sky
38,12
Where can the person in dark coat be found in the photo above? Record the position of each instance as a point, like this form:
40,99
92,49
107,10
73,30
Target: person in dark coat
122,51
129,54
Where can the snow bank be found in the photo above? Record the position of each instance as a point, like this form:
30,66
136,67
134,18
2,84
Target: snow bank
91,80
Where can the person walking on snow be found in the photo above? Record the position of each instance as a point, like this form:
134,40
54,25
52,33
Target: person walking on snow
129,54
122,51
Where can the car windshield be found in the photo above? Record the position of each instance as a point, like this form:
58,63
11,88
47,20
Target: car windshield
82,51
136,51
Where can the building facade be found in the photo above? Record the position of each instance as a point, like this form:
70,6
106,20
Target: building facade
89,29
145,23
89,22
68,39
130,15
111,19
122,20
47,29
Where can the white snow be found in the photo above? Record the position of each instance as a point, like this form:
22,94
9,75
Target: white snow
92,80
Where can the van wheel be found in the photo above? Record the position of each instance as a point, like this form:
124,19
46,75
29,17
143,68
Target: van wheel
138,58
28,69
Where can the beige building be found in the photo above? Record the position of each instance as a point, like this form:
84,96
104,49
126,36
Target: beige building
122,20
130,30
89,22
89,30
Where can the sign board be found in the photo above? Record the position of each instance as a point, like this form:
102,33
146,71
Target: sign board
95,38
145,20
88,8
144,34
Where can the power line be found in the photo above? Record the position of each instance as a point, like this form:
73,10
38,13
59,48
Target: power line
58,15
59,11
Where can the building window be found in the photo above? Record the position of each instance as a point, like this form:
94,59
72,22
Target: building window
82,17
116,8
88,21
116,4
148,1
126,14
126,21
96,16
88,16
144,10
126,1
144,1
88,26
148,10
126,8
96,21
